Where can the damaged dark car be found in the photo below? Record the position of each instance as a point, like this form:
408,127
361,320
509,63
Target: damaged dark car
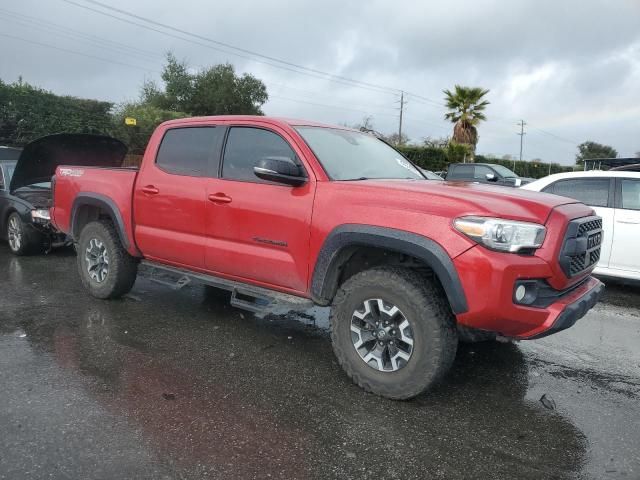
26,186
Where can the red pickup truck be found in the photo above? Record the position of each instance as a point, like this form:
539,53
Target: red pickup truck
292,211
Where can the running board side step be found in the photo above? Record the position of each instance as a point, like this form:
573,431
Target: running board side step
245,296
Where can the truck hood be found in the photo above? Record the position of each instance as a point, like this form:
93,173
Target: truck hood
40,158
463,198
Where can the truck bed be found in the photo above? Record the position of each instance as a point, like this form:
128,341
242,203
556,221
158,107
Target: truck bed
113,185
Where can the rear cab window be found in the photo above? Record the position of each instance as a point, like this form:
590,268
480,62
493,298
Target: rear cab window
190,151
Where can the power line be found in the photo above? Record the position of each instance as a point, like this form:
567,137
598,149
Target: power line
557,137
61,29
230,49
74,52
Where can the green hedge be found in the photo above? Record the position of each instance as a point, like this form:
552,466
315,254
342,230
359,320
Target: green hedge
437,159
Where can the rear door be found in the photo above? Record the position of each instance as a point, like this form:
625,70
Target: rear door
625,254
597,193
170,196
258,230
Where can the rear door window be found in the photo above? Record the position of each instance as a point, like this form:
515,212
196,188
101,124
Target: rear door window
461,172
192,151
590,191
630,194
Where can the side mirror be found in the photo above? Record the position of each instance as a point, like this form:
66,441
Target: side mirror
491,177
280,170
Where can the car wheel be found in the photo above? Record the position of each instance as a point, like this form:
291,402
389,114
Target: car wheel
393,332
21,239
105,267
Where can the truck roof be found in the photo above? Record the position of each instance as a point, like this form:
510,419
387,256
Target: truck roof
281,121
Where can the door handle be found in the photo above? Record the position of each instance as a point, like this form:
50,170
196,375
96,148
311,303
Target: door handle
150,189
219,198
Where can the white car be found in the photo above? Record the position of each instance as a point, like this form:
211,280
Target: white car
615,196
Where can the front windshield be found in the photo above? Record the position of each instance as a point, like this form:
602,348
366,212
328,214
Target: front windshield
349,155
504,171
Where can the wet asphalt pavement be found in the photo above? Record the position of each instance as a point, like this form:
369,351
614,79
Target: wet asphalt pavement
170,384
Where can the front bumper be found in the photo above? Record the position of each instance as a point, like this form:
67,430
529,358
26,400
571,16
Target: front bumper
488,280
574,311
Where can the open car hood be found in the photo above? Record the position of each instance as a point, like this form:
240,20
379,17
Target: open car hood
40,158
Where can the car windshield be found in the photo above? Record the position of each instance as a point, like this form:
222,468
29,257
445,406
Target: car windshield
349,155
504,171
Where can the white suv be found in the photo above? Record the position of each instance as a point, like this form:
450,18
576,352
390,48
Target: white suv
615,196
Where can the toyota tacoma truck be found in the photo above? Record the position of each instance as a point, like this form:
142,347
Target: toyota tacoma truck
283,211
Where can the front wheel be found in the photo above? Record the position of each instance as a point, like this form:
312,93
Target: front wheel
21,237
393,331
105,267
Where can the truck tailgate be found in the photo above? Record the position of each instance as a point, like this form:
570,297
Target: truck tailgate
113,186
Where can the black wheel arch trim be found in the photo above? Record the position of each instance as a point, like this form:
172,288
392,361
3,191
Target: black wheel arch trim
105,203
327,269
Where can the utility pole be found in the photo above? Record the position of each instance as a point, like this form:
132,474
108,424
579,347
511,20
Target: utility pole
522,134
402,102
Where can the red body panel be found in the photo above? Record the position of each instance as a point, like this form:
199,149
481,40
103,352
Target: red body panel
271,235
115,184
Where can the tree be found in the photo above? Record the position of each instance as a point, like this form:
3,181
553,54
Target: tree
28,112
394,139
214,90
434,142
147,118
591,150
466,106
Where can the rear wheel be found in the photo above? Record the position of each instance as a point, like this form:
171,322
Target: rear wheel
393,331
105,267
21,237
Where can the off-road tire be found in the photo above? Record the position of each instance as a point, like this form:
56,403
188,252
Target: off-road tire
31,240
423,303
474,335
123,268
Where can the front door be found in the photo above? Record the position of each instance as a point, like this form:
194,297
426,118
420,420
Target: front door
170,196
625,254
258,230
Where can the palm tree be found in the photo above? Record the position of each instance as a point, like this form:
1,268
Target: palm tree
465,106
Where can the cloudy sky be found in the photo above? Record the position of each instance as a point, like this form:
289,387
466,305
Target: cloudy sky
569,68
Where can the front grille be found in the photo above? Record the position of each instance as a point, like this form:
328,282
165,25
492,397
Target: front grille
581,249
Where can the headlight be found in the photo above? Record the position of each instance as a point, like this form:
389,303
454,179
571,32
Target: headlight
40,214
500,234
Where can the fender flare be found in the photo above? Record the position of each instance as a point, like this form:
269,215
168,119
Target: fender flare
327,269
104,203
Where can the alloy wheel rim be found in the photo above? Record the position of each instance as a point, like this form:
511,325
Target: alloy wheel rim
381,335
14,234
97,258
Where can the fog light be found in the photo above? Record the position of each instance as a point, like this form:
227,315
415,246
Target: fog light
525,292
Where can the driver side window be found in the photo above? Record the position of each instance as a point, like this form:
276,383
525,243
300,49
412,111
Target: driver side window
1,178
246,146
480,172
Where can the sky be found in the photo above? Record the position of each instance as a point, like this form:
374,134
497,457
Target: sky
569,68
